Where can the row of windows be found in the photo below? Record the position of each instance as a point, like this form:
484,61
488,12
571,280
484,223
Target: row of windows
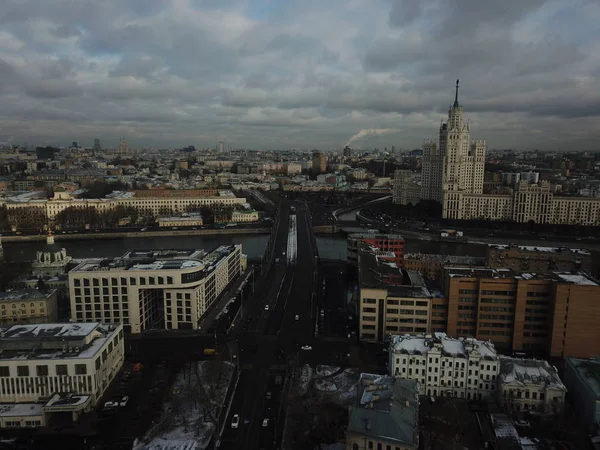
31,305
122,281
42,370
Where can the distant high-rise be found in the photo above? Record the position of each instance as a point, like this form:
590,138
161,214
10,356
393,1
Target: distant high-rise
319,163
454,163
97,147
123,147
74,144
221,147
347,151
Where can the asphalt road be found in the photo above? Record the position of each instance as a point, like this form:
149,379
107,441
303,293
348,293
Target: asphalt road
271,345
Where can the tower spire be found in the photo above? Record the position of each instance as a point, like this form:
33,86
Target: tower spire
456,96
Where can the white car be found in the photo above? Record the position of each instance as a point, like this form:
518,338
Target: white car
124,401
265,423
235,421
306,347
266,307
296,317
109,405
522,423
283,253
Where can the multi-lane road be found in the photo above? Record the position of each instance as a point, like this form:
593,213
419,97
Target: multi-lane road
279,322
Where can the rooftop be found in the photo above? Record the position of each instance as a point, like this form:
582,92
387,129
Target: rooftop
20,409
25,295
506,435
55,340
529,372
445,259
462,347
579,278
387,408
531,248
375,236
46,330
588,372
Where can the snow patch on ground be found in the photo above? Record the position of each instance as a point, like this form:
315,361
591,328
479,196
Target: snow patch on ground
326,370
305,377
325,386
187,417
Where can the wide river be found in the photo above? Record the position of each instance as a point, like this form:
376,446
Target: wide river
333,247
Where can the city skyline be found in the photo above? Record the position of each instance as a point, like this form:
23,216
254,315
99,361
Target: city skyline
297,74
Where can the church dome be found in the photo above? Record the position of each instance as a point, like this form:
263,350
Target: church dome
51,252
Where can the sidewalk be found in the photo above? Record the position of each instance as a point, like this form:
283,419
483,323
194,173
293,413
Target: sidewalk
229,294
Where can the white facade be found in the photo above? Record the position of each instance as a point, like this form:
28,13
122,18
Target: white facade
39,361
169,289
446,367
530,385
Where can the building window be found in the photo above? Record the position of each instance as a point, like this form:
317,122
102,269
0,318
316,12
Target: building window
61,369
23,371
80,369
41,371
4,371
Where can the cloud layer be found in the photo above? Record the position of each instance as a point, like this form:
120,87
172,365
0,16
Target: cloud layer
298,73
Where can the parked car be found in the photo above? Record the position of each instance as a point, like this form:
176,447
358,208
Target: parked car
109,405
269,395
522,423
306,347
265,423
123,402
235,421
296,317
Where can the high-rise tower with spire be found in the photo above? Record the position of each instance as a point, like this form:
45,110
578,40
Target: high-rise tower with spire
453,164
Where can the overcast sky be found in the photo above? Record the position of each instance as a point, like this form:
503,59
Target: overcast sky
298,73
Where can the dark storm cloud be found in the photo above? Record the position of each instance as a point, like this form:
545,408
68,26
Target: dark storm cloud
298,73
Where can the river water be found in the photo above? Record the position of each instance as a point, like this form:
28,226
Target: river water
331,247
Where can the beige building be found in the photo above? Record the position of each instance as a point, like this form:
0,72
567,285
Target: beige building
178,202
244,215
452,174
528,203
186,220
446,367
28,306
535,259
406,187
386,415
530,385
392,301
454,163
56,368
169,289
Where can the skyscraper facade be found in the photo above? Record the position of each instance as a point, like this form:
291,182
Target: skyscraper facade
452,174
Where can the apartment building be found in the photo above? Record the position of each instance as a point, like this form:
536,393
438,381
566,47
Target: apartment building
386,415
406,187
319,163
179,202
555,313
244,215
377,242
56,368
169,289
186,220
28,306
446,367
527,258
430,265
391,300
530,385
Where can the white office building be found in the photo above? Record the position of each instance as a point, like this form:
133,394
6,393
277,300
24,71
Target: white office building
169,289
446,367
530,386
55,368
